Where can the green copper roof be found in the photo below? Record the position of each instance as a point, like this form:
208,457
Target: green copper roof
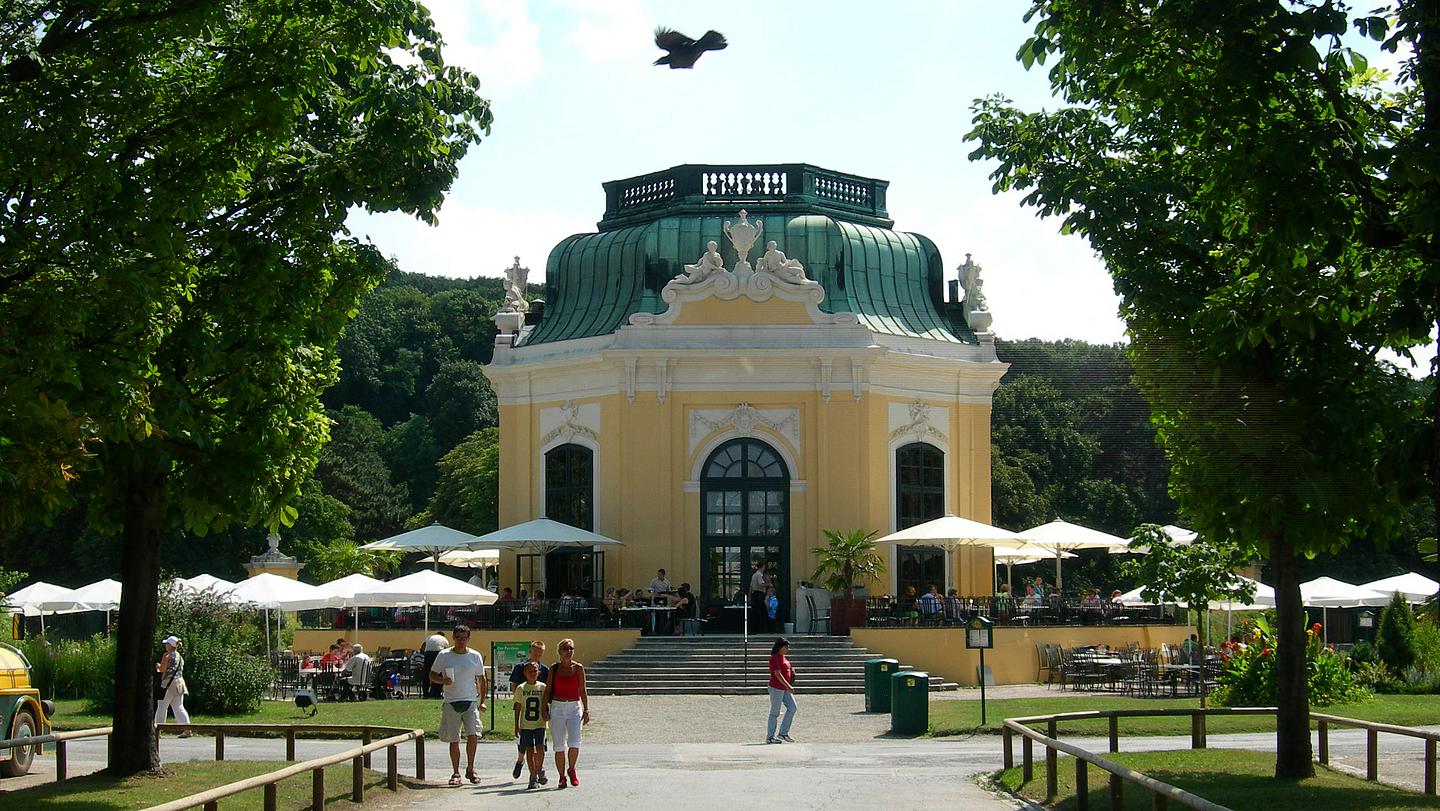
891,280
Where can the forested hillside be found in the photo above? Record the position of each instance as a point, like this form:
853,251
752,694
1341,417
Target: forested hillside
414,440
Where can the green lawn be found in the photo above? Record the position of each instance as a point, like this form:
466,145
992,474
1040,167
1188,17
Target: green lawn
1232,778
963,717
99,792
413,713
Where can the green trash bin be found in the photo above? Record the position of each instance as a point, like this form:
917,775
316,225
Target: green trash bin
910,702
877,684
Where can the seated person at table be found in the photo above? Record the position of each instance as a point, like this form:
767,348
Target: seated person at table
930,602
954,609
1190,651
609,603
1032,597
905,609
638,597
357,672
537,600
685,607
506,596
331,657
1091,599
1003,601
622,599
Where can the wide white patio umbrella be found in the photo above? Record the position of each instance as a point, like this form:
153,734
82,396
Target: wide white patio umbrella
470,558
273,592
424,588
541,537
1060,535
204,582
1326,593
102,595
433,539
342,592
1011,557
40,598
1264,598
951,531
1417,588
1179,536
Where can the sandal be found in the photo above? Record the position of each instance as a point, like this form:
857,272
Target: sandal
455,779
472,776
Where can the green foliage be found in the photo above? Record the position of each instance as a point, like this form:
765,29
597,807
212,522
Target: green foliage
467,495
73,668
352,470
1197,574
1238,170
847,558
221,645
1247,678
338,558
1395,636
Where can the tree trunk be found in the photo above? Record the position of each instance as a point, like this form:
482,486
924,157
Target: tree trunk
1292,722
132,741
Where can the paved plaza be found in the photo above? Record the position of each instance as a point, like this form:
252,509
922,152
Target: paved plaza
704,752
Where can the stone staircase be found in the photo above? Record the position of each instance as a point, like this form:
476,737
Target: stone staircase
715,665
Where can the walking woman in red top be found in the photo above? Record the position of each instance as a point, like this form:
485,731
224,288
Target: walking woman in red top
782,691
567,707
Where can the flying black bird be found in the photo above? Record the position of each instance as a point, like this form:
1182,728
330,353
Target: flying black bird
683,51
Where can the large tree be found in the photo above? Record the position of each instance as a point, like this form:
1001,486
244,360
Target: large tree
1225,160
174,267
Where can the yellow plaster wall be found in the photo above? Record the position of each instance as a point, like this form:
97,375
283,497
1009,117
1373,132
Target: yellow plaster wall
590,645
743,312
645,462
1014,659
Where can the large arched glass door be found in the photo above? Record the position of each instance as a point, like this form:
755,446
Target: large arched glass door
744,518
919,497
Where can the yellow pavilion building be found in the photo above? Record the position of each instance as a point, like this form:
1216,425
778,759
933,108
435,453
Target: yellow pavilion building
739,358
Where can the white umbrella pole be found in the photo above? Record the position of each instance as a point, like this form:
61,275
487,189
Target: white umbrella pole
267,631
949,566
1058,582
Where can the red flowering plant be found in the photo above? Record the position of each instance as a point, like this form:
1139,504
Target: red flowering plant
1247,678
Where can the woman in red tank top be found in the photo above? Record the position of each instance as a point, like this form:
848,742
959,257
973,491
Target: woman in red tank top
567,707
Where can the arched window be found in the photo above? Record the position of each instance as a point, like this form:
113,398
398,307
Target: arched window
744,518
570,486
919,497
919,484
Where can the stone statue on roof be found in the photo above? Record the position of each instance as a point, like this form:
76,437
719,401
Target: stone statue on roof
977,311
707,265
515,277
775,261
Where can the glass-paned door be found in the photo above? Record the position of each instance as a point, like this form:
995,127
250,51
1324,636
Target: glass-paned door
745,518
919,497
575,571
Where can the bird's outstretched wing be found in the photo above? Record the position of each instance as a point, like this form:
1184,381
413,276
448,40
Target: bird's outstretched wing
668,39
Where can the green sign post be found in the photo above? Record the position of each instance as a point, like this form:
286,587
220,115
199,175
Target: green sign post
504,656
980,634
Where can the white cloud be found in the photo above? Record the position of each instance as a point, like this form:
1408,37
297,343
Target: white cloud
611,30
496,40
470,240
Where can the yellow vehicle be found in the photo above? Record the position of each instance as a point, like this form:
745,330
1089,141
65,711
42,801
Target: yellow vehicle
22,710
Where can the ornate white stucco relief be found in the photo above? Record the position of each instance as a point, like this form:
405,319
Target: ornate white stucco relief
774,274
918,421
565,423
743,419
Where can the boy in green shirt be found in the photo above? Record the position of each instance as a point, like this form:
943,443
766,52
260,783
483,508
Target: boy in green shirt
529,721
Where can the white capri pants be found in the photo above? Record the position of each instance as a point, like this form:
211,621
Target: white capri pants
174,701
564,725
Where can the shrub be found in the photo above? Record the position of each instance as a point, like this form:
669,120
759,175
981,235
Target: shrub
1395,639
218,641
1248,677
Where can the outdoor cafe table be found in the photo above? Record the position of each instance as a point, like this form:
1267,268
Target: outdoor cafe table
655,610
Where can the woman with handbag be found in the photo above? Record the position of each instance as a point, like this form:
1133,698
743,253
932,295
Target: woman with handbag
170,688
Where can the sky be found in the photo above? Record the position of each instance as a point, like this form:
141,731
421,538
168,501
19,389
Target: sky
879,90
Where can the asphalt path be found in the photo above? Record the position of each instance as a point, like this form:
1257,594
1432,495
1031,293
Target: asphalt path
883,772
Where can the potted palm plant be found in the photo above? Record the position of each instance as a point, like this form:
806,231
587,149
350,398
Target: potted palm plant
846,559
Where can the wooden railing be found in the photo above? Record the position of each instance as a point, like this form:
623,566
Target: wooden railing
1372,744
60,739
359,757
1163,793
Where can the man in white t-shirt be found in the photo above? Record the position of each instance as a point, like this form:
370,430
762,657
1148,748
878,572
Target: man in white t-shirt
659,588
461,671
431,648
356,672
